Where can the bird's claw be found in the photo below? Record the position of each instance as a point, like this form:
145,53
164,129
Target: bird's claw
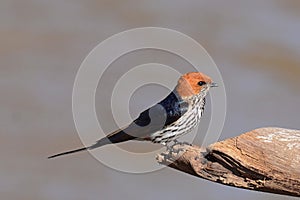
175,148
181,143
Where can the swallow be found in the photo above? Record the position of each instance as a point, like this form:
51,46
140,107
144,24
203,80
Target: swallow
176,115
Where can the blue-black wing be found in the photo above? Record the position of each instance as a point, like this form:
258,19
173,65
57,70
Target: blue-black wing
149,121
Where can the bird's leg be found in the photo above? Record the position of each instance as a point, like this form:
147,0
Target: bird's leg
169,150
171,146
168,146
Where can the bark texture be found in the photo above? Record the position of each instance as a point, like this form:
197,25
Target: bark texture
265,159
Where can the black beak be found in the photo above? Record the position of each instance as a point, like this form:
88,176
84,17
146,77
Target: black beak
213,85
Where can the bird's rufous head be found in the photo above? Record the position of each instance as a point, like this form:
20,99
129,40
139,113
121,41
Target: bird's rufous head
193,83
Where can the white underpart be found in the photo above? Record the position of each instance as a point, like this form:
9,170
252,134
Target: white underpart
185,123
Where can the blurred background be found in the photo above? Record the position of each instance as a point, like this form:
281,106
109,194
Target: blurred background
254,43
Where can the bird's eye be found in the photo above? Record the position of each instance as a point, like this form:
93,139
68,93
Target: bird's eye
201,83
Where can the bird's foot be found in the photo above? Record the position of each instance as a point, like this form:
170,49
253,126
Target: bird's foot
181,143
176,148
173,154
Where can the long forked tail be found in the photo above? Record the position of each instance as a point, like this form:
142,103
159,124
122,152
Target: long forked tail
99,143
68,152
115,137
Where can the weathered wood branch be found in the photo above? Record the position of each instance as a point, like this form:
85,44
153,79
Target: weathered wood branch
266,159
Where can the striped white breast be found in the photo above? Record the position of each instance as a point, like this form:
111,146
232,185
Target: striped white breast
186,123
